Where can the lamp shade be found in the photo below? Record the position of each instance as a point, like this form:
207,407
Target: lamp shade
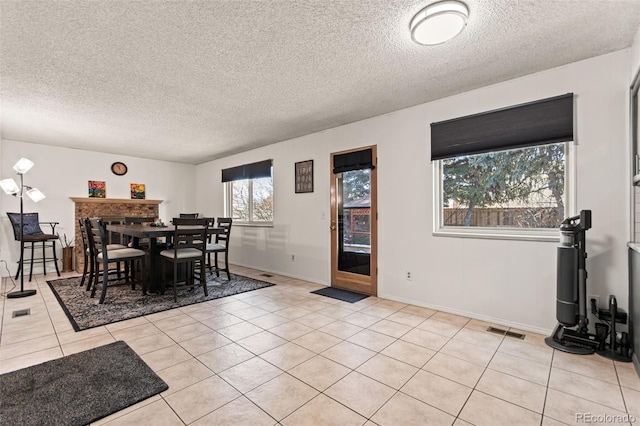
23,166
36,195
439,22
9,186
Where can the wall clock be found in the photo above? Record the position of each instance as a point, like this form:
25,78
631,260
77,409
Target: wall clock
119,168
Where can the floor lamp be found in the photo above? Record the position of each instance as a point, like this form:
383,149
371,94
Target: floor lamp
10,187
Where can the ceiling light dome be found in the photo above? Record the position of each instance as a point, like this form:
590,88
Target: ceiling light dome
439,22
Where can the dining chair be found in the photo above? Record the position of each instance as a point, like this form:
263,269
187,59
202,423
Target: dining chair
104,255
189,215
32,234
189,243
220,246
90,257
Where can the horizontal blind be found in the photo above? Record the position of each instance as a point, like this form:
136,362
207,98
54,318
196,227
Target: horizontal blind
248,171
540,122
356,160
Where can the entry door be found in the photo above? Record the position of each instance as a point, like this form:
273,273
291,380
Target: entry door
354,230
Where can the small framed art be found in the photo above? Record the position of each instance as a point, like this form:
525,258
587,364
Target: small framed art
137,191
304,176
97,189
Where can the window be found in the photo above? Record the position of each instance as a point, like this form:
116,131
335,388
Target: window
249,193
506,181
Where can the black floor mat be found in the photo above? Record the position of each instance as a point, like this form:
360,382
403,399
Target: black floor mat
338,293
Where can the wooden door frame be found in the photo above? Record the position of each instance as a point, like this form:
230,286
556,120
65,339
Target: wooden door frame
347,280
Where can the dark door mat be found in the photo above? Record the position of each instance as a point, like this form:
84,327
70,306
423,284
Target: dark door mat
77,389
340,294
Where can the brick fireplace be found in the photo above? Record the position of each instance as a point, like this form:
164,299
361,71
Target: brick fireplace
112,208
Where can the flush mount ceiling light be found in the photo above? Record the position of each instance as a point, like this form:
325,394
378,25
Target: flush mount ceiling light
439,22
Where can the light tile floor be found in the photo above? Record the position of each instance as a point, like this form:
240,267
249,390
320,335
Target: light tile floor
281,355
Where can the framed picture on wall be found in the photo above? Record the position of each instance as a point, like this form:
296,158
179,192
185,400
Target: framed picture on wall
97,189
137,191
304,176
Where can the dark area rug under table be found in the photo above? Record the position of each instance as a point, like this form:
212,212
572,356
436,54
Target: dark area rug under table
340,294
77,389
123,303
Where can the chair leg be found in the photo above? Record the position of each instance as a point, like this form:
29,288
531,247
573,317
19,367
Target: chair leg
175,282
31,263
55,257
92,274
84,269
105,281
226,265
215,257
142,275
203,276
44,258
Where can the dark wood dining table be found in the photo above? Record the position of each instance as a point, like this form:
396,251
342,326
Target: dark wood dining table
138,231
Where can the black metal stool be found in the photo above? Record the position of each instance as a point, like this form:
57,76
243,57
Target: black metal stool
32,234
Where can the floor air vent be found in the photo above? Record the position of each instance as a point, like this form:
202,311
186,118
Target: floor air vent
21,313
266,275
502,332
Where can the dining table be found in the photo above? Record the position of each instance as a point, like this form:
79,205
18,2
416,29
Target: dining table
152,232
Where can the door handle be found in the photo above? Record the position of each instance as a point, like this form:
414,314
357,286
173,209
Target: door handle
333,226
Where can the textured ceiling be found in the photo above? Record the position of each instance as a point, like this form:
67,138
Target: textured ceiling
191,81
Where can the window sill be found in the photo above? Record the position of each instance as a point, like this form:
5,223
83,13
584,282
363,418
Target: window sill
500,234
253,225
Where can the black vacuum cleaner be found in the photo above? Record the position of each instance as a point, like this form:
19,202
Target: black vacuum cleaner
572,332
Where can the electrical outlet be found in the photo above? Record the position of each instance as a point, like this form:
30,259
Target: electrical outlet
408,276
593,296
293,257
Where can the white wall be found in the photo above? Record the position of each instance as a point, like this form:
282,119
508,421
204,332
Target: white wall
635,54
509,282
62,173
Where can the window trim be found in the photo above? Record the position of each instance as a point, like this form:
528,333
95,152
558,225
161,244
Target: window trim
521,234
228,208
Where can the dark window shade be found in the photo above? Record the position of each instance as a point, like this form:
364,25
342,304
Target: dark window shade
356,160
248,171
540,122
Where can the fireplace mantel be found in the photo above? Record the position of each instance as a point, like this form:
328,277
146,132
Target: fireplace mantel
113,200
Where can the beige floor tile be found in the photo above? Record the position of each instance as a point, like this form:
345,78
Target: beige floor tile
232,305
287,356
450,318
183,375
150,343
136,332
460,422
201,398
458,370
371,340
437,391
406,318
157,413
390,328
27,334
28,346
514,390
240,411
478,338
632,401
290,330
90,343
418,310
548,421
250,374
314,305
387,370
186,332
379,311
131,409
425,339
166,357
239,331
250,313
204,343
360,319
341,329
628,378
205,313
225,357
588,388
348,354
261,342
360,393
221,321
586,365
571,409
30,359
530,337
174,322
322,410
408,353
315,320
522,368
468,352
73,336
319,372
293,312
540,354
269,396
402,409
317,341
439,327
268,321
483,410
